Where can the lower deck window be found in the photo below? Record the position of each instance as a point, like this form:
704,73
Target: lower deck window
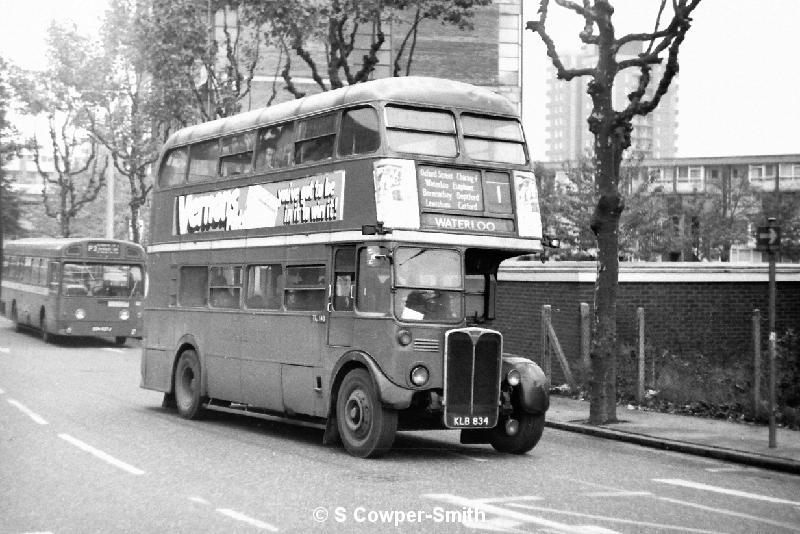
305,288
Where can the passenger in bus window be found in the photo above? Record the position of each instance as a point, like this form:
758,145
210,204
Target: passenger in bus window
221,297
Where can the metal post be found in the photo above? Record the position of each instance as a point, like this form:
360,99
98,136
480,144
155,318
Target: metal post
772,341
110,193
640,388
756,362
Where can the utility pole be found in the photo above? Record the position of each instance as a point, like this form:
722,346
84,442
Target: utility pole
208,50
110,197
769,241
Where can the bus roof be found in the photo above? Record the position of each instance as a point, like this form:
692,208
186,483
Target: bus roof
414,90
51,246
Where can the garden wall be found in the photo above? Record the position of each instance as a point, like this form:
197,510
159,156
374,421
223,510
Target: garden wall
690,308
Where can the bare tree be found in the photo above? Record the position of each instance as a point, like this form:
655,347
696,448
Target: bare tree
612,135
76,179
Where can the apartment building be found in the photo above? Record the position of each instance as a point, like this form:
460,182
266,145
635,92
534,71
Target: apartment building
567,135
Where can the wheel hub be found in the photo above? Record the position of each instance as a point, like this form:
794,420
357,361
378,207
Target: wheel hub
357,411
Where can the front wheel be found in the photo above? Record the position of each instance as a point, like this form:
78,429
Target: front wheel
529,431
366,427
187,386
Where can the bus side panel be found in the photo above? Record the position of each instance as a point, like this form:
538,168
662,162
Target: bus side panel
261,384
156,369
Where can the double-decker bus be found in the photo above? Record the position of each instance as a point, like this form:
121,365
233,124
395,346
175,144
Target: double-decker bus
333,260
74,286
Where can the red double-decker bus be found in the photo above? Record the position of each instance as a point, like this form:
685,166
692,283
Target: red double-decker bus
333,260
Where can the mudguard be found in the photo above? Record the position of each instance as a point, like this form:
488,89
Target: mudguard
534,388
390,393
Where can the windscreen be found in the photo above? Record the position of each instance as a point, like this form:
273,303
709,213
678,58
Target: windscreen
101,280
429,285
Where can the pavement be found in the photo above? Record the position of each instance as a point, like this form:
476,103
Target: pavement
731,441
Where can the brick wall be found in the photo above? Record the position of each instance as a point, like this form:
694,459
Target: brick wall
689,308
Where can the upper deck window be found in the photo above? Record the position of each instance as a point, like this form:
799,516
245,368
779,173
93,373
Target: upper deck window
493,139
315,138
203,161
359,132
236,154
173,170
426,132
275,147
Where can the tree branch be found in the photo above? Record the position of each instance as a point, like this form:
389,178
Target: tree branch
562,73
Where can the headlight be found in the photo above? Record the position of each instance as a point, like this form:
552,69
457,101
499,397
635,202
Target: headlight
419,375
513,378
80,313
124,315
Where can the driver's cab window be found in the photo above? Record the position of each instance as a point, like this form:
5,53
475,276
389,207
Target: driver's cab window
374,280
344,279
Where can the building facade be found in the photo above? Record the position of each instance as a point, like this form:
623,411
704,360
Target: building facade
488,55
713,205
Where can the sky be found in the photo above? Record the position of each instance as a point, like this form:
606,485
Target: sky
738,88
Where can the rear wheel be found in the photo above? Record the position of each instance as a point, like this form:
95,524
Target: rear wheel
46,336
187,386
15,317
366,427
528,432
120,340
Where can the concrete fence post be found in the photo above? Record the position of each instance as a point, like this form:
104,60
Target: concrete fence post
546,359
586,336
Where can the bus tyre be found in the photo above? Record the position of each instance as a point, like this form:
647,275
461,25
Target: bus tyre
366,427
187,386
15,318
46,337
120,340
526,437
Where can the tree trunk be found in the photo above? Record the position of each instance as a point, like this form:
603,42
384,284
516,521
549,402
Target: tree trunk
135,237
605,224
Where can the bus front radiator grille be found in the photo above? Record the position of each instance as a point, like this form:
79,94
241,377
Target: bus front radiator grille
472,377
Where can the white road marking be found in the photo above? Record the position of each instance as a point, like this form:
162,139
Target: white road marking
5,350
233,514
27,411
726,491
110,349
616,519
789,526
724,469
473,458
515,516
199,500
506,500
496,524
618,494
101,455
2,392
